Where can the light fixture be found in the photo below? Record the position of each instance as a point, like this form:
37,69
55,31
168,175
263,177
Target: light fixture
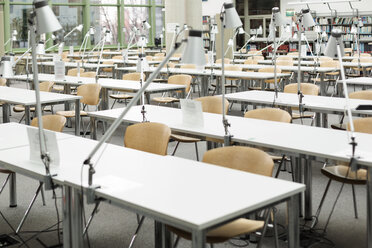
317,29
232,19
47,22
307,18
91,31
40,49
295,36
277,18
331,48
146,25
80,27
354,30
322,2
324,34
194,51
241,30
6,69
259,30
214,29
230,43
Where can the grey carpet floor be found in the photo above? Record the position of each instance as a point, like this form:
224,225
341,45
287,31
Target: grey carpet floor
113,226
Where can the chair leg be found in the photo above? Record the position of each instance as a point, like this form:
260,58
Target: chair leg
42,196
280,166
196,150
355,203
29,208
267,217
137,230
175,149
315,221
113,103
176,242
91,217
5,182
276,237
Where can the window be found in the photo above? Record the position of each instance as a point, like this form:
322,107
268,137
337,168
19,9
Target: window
262,7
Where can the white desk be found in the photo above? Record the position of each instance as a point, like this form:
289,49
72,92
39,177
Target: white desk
74,65
140,185
287,138
107,84
319,104
205,74
10,95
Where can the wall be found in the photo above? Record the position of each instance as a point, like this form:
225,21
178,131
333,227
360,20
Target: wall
213,7
364,6
1,32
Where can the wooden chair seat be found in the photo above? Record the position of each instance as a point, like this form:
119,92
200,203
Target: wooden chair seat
71,113
165,99
254,88
339,172
335,73
184,139
225,232
298,116
160,80
21,108
5,171
121,96
58,88
339,126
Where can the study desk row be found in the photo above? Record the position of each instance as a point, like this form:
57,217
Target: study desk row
143,183
303,143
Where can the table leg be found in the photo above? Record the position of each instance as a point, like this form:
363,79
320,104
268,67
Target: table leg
205,85
318,119
105,99
158,234
6,113
66,208
322,85
297,176
93,128
308,193
369,207
76,220
13,191
27,115
325,120
198,239
77,117
293,222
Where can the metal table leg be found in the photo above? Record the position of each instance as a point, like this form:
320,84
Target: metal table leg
325,120
322,85
158,234
293,222
318,119
6,113
369,207
77,117
27,115
12,191
76,220
66,208
198,239
308,193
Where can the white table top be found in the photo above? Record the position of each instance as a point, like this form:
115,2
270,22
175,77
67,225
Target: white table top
27,97
360,81
74,64
314,103
206,72
144,182
107,83
293,138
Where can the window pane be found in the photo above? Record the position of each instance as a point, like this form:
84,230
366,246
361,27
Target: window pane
136,1
70,17
104,18
66,1
158,2
262,7
134,16
21,1
18,22
159,17
104,2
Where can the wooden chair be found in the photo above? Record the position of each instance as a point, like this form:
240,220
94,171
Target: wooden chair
107,70
258,57
159,55
271,70
180,79
118,57
89,74
157,58
135,76
342,172
306,89
231,85
2,81
255,52
52,123
90,97
292,54
250,62
226,60
280,58
43,86
357,72
325,59
71,72
210,104
148,137
272,114
193,83
246,159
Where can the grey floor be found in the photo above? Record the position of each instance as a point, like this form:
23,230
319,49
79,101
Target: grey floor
113,227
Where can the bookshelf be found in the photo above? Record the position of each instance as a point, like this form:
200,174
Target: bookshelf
206,32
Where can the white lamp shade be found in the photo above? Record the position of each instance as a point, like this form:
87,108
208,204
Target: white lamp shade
259,30
317,29
253,38
354,30
214,29
46,20
241,31
40,49
142,41
15,32
295,36
91,31
324,34
80,27
194,51
146,25
54,37
307,19
230,42
6,69
232,19
331,49
277,18
144,63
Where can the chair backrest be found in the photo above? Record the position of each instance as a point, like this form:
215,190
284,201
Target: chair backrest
171,65
362,125
233,68
177,55
270,69
118,57
89,74
365,55
213,104
135,76
325,58
306,89
149,58
284,62
227,61
331,63
188,66
292,53
148,137
159,54
90,93
280,58
2,81
241,158
362,60
269,114
73,72
51,122
181,79
258,58
46,86
250,62
255,52
157,58
363,94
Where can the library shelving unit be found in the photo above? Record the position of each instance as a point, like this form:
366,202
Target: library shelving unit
206,32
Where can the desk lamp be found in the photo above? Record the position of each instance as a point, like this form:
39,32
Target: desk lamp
192,55
277,20
11,40
83,46
229,19
6,69
77,28
106,37
305,20
230,43
46,22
